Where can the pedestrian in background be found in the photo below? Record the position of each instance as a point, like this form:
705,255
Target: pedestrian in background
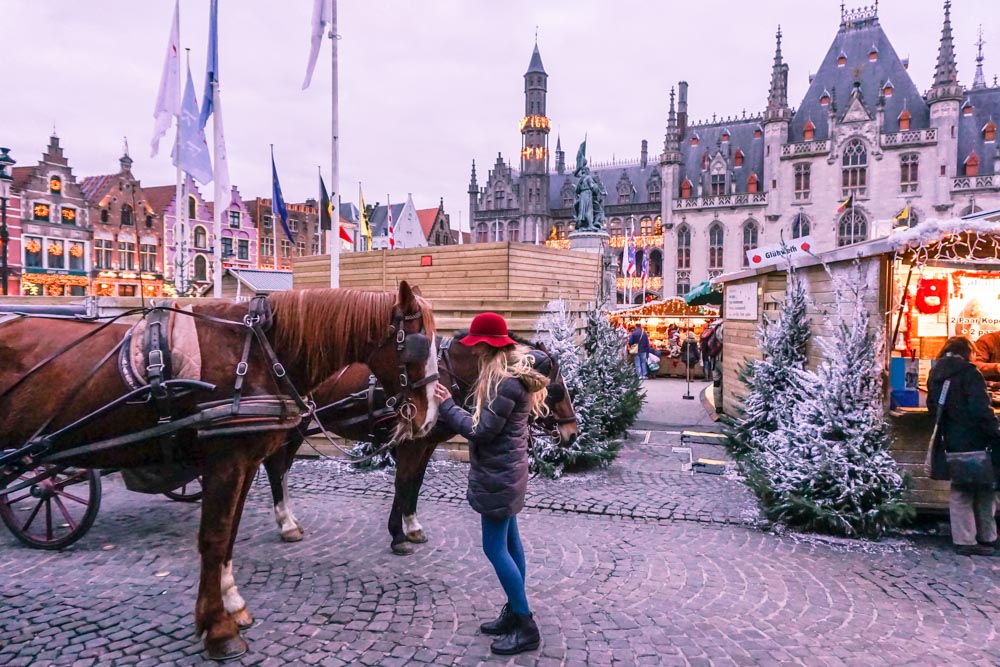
638,347
967,424
507,392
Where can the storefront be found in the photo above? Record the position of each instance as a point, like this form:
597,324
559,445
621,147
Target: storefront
667,323
54,266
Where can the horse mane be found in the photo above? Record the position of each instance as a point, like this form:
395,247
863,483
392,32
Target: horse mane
326,329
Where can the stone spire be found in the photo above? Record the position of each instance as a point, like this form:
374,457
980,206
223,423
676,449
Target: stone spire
473,185
777,97
560,157
126,160
945,84
980,80
672,140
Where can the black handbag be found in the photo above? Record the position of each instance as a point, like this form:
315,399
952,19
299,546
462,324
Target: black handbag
971,468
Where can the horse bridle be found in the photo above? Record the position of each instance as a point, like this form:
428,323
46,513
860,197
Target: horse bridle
410,348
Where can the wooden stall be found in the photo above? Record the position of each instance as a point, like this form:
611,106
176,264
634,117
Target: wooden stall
666,323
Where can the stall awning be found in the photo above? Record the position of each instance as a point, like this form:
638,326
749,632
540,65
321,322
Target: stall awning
667,308
703,294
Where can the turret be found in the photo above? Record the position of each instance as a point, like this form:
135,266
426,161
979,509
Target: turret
777,118
944,97
560,157
945,86
979,81
473,197
777,96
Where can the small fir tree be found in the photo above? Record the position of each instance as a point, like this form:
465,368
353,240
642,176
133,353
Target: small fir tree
385,459
768,380
827,466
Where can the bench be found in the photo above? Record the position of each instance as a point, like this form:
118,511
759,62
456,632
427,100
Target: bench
702,438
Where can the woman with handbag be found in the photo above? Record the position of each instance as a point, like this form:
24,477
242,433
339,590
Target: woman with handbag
965,447
638,347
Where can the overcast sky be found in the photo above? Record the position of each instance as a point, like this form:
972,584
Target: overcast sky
425,85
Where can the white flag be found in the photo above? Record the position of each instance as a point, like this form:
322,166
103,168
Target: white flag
168,99
322,15
223,188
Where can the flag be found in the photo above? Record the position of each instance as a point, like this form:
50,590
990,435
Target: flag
278,208
322,14
167,97
366,229
846,204
392,232
211,64
903,217
631,268
326,213
625,257
645,264
223,188
193,157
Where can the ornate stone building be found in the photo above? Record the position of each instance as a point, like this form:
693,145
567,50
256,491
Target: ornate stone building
863,130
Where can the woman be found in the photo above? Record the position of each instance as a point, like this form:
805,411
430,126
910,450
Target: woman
507,392
639,341
967,424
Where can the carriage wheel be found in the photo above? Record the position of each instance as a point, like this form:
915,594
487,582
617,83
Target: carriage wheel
189,493
55,512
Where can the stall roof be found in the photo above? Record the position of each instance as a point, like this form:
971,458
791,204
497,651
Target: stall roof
666,308
263,282
928,231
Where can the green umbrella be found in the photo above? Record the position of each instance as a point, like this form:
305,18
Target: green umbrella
703,294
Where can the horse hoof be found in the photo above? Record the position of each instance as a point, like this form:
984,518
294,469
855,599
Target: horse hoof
402,549
242,618
226,649
417,536
292,535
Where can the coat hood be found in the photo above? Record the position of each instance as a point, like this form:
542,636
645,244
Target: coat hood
533,381
949,366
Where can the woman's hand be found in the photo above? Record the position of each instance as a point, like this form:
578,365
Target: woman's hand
441,392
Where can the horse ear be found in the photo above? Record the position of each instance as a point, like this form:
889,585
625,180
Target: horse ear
406,298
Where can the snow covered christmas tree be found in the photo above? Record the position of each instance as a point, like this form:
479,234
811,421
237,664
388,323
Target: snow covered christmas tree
768,380
827,466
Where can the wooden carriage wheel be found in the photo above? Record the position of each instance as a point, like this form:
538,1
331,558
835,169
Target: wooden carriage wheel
54,512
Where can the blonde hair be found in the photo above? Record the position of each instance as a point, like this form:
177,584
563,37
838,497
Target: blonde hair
496,365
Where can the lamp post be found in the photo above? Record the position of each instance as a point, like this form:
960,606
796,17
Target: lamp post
5,180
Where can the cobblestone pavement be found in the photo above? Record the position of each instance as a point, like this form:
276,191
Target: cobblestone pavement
636,565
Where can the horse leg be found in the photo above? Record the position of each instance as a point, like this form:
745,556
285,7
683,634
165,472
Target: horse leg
222,482
234,603
414,531
277,466
407,462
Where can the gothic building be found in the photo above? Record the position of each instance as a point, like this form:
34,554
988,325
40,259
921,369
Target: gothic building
863,131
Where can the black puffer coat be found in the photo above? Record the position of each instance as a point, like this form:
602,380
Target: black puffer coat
498,447
968,423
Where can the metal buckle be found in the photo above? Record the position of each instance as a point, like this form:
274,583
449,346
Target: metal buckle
391,402
404,379
400,336
407,411
250,320
279,370
155,361
242,368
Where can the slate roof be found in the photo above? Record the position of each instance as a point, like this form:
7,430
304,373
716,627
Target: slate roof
985,107
349,211
95,187
709,138
856,43
535,66
608,176
379,220
263,281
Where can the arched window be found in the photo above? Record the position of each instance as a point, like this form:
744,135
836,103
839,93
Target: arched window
716,237
497,231
656,263
104,215
752,182
685,189
482,233
855,169
809,131
127,215
738,158
800,226
972,164
646,226
192,207
615,227
514,231
750,234
904,120
560,230
200,237
654,187
908,166
718,179
658,226
683,282
684,247
200,268
853,227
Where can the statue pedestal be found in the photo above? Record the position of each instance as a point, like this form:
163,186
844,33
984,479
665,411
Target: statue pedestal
588,241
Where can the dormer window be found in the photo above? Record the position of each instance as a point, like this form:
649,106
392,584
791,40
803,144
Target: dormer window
972,164
990,132
824,99
704,160
686,189
873,54
752,183
757,133
967,109
725,137
809,131
841,60
738,158
887,91
904,120
694,140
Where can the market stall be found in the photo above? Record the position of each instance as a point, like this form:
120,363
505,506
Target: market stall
667,322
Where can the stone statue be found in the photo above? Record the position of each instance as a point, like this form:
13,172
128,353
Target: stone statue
588,209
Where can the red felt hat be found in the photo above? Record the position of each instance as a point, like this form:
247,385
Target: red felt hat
488,328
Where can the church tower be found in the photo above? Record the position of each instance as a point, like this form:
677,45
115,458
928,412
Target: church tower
535,125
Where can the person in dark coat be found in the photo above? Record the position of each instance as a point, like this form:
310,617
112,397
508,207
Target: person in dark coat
988,355
507,392
640,339
967,424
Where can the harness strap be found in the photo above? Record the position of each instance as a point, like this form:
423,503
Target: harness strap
158,364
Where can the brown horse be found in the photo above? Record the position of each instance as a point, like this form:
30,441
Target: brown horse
44,387
459,370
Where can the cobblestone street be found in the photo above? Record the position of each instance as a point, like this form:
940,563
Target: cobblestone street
638,564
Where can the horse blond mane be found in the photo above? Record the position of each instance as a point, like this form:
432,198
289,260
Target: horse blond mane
327,329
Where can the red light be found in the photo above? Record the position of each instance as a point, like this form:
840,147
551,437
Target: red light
426,260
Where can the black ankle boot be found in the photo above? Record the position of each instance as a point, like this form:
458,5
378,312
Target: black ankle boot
522,637
502,625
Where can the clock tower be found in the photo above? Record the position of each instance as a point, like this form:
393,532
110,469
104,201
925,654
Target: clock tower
535,126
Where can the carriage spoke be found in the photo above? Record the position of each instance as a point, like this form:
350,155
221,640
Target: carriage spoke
48,519
78,476
65,513
31,517
12,501
66,494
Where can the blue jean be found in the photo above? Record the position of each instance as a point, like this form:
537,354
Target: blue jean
502,546
641,367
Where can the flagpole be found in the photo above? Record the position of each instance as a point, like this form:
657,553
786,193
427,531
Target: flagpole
333,237
219,195
274,221
180,210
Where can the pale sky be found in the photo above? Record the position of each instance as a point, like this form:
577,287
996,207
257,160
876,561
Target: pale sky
425,85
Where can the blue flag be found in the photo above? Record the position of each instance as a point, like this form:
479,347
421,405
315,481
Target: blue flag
278,208
194,157
211,65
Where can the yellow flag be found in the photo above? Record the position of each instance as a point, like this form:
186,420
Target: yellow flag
366,229
904,214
